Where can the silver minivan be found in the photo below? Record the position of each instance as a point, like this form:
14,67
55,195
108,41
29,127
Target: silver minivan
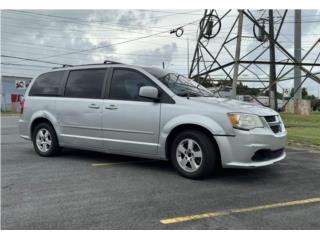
151,113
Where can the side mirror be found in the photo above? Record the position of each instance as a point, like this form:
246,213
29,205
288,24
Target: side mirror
149,92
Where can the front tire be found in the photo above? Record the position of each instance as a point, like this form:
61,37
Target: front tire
45,141
194,155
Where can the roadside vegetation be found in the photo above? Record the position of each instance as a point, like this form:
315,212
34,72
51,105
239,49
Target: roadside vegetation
8,113
303,130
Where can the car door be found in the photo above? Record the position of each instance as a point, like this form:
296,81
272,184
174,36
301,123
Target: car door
80,110
130,124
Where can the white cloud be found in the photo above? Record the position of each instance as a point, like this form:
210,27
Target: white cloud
36,36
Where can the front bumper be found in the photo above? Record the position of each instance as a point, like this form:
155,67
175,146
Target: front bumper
238,151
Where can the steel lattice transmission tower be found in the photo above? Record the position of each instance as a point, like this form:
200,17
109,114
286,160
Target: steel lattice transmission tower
221,59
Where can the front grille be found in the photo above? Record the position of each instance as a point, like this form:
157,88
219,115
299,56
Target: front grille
267,154
274,123
270,118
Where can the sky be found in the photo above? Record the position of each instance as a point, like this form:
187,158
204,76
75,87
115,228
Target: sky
141,37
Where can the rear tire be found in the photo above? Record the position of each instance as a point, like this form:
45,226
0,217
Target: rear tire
194,154
45,141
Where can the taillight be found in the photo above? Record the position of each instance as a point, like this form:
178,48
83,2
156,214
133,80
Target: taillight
21,105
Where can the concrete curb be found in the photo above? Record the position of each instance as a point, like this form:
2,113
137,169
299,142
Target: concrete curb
312,148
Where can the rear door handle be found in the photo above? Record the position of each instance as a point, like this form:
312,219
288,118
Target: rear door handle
94,106
111,107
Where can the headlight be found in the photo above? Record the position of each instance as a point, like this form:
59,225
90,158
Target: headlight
245,121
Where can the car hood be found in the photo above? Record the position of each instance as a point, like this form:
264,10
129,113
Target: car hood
235,106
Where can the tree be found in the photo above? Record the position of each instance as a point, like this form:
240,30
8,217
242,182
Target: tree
245,90
304,93
315,104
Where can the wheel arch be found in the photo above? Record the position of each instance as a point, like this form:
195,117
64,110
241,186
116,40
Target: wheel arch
189,126
40,117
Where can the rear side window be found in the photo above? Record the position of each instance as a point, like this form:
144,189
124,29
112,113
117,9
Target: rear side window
85,83
126,83
48,84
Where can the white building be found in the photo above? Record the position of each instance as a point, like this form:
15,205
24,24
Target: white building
11,88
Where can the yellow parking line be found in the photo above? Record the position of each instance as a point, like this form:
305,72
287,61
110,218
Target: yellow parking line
240,210
118,163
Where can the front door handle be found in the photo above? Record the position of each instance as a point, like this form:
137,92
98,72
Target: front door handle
111,107
94,106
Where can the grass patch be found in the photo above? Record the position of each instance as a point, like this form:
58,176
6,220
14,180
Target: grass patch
291,119
301,129
304,135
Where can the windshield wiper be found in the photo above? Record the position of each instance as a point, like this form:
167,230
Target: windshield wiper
188,94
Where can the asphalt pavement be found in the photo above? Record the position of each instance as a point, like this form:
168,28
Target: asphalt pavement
90,190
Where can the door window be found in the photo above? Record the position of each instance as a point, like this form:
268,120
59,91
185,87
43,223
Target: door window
85,83
126,83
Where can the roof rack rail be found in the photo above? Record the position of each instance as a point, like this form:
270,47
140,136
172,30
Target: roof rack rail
105,62
63,66
67,65
111,62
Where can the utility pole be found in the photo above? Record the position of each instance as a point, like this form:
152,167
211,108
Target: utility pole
297,56
188,56
163,65
273,89
237,56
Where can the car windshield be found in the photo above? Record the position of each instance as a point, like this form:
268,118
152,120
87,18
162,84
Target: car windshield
179,84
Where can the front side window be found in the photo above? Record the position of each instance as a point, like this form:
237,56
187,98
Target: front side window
126,83
85,83
48,84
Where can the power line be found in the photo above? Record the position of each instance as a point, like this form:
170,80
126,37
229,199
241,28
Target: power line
183,13
22,44
84,32
147,28
133,56
30,59
88,25
30,45
25,65
113,44
175,55
168,27
81,21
